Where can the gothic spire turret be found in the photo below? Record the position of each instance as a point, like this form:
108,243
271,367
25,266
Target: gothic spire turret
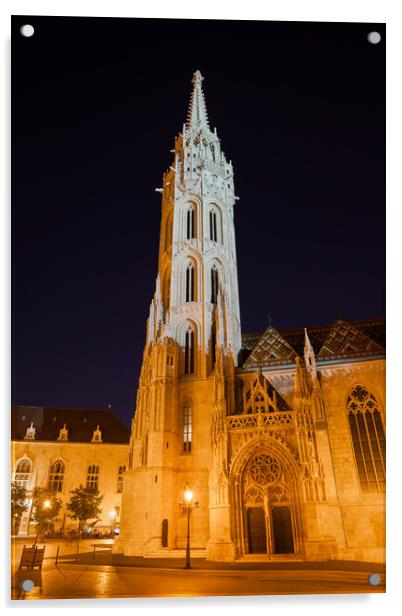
197,112
309,356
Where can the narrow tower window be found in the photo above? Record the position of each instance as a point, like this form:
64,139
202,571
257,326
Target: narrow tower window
213,226
214,284
190,283
120,479
368,439
213,344
190,224
189,352
187,429
56,477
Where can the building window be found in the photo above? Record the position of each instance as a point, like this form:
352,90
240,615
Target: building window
93,477
120,479
368,439
190,283
165,531
189,352
213,344
213,234
214,284
187,429
190,223
23,473
56,478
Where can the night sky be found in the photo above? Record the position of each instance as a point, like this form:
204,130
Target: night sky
96,104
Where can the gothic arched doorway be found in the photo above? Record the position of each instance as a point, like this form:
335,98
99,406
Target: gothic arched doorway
268,506
282,530
257,532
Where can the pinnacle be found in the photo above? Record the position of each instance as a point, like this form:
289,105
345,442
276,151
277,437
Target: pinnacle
197,116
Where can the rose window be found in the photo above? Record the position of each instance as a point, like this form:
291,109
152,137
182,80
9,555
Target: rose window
264,469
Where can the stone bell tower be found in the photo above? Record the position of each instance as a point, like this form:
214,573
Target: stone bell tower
192,343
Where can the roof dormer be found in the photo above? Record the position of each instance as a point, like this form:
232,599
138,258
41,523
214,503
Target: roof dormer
97,435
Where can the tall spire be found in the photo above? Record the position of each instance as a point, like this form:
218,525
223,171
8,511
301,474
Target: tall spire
197,116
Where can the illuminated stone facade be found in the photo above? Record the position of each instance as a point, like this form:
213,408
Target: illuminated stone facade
59,449
280,435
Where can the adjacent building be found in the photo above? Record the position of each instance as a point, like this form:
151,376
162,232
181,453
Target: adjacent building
60,449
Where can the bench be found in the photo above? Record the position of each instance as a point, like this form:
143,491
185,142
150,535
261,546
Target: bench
32,557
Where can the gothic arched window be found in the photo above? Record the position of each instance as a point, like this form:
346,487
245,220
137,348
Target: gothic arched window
23,473
187,429
190,223
213,226
190,297
368,439
189,351
93,477
214,284
56,478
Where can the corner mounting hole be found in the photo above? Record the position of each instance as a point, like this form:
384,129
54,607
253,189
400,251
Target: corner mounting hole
27,585
27,30
374,579
374,37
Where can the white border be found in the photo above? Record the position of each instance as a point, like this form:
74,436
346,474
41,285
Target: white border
388,11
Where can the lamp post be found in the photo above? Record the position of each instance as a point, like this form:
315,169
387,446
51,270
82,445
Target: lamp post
46,505
188,497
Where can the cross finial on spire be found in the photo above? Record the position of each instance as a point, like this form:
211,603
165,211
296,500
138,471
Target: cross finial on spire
197,113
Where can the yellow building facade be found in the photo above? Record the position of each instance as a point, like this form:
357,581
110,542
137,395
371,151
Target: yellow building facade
280,435
60,449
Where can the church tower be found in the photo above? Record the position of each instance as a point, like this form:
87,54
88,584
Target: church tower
193,339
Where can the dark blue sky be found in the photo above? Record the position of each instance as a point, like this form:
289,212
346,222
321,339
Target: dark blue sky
300,110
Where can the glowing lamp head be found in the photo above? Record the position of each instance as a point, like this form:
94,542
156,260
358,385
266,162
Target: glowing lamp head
112,514
188,496
47,504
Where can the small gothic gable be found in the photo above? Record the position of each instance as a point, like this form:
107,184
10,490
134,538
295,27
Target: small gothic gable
345,340
262,397
271,348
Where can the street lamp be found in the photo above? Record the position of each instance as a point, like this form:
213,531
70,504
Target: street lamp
188,497
112,515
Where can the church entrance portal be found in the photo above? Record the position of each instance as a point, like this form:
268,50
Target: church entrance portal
257,534
282,530
269,522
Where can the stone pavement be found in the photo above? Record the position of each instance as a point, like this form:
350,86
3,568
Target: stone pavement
107,575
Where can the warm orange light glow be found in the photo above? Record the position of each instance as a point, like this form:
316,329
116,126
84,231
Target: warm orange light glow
188,496
47,504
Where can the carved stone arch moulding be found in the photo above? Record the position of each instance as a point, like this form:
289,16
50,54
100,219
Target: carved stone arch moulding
269,446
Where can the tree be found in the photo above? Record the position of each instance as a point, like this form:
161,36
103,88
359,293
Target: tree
19,504
84,505
45,508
